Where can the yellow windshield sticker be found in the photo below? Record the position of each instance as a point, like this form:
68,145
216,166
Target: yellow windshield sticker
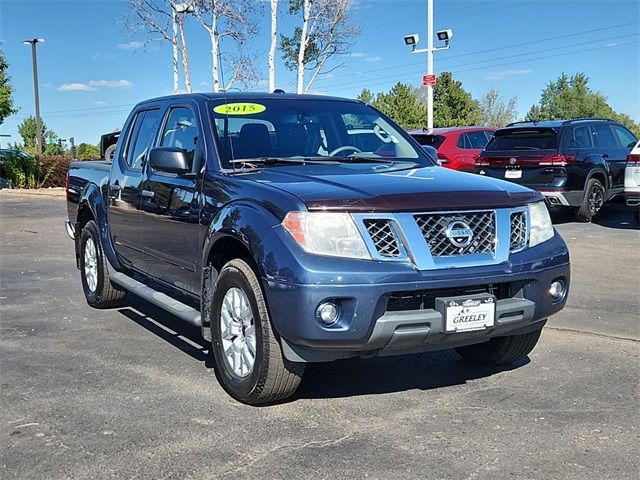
239,108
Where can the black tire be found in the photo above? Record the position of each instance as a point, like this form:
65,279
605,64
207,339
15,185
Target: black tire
105,294
500,350
594,198
273,377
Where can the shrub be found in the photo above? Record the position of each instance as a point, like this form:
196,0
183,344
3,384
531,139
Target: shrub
24,171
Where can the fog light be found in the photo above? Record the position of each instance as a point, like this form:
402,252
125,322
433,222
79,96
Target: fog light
557,289
328,313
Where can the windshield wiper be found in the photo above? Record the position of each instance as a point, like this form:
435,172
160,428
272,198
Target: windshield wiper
270,160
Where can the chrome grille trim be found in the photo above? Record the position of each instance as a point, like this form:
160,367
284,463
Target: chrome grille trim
434,229
383,236
518,236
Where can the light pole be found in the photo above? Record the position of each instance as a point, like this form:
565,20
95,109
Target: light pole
412,41
34,58
177,8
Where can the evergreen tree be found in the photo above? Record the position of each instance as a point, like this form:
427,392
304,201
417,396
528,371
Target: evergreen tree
453,106
6,91
402,105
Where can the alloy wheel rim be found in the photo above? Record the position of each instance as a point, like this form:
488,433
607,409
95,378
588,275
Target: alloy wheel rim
91,265
595,200
238,332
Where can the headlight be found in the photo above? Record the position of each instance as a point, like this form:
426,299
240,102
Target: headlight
540,227
326,233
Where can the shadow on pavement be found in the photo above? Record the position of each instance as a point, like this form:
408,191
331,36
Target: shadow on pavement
614,214
343,378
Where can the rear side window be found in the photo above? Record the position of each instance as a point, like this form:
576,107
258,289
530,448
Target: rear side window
524,139
625,136
141,137
603,136
430,140
476,140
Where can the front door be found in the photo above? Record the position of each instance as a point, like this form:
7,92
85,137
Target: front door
125,187
171,208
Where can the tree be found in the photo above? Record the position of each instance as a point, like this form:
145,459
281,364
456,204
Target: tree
453,106
233,19
156,16
403,105
27,130
494,112
326,32
365,96
570,97
86,150
273,46
6,91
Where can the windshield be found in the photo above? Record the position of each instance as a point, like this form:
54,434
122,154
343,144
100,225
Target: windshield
298,130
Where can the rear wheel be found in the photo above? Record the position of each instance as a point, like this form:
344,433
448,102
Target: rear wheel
98,289
248,356
500,350
592,202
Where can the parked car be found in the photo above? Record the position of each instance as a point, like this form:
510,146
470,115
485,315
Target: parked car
255,218
632,181
458,147
577,164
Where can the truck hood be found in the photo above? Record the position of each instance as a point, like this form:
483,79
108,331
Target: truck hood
361,187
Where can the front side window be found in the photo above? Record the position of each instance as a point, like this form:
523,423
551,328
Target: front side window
180,131
318,130
603,136
141,138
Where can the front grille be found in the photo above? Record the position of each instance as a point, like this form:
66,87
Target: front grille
383,237
434,229
518,231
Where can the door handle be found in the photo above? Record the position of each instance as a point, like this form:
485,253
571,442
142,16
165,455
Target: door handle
605,156
147,193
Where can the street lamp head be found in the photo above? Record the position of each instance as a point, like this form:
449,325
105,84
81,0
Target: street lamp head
33,42
444,35
411,40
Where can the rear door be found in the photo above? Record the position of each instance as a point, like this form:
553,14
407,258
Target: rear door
125,185
522,155
171,230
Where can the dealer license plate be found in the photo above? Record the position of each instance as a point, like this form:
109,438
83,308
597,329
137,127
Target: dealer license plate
466,314
513,174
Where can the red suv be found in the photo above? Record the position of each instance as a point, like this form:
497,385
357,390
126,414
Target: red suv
457,147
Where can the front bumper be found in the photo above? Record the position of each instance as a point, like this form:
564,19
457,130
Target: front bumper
368,326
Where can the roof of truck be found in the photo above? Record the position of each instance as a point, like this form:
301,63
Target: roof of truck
251,95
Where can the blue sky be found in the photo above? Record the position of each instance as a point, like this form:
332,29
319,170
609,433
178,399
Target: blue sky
515,46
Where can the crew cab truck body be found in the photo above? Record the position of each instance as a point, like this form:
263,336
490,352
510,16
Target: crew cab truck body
576,164
296,229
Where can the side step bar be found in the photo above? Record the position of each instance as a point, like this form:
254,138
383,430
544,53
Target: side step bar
174,307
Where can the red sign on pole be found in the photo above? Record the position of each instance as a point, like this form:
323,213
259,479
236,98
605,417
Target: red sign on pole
428,80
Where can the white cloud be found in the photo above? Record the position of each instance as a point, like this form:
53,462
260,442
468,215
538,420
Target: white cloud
132,45
612,44
356,55
110,83
373,59
93,85
502,74
98,103
75,87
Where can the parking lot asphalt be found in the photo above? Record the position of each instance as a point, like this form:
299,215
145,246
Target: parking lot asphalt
130,393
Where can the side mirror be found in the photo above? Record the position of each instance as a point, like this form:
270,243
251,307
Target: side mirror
169,160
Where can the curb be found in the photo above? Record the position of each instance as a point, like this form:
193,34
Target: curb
56,193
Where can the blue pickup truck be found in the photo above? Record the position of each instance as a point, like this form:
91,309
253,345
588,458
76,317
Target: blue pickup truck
299,228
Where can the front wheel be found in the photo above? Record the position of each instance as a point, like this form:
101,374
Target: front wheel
99,291
594,195
248,357
500,350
